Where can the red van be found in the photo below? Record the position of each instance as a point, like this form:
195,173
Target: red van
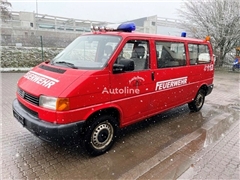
109,79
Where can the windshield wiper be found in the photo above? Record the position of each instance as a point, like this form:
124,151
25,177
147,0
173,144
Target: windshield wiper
71,65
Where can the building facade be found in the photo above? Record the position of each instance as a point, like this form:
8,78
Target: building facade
25,28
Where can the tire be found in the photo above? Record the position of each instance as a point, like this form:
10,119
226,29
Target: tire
198,102
100,135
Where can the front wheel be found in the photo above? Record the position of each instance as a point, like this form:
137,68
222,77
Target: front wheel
100,135
198,102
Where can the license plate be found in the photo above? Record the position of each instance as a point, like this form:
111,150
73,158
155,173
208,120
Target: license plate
19,117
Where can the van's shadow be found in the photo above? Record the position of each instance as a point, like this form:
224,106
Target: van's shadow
178,121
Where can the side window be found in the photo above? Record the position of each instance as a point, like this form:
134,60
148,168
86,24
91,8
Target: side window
170,54
199,54
138,51
203,56
193,53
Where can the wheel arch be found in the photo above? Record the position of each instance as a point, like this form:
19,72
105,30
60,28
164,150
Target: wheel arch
204,87
114,111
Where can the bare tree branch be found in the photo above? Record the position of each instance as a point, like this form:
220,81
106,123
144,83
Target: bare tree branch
218,18
5,6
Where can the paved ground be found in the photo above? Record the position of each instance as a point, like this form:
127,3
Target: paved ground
221,160
161,148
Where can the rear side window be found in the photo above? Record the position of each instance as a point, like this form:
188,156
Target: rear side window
170,54
199,54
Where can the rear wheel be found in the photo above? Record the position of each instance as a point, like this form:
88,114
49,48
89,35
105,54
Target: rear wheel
198,102
100,135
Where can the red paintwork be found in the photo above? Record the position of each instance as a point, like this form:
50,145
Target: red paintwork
84,87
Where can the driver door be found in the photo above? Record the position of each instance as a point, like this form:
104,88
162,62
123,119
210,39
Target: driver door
130,88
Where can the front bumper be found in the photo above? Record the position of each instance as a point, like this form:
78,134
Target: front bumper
44,130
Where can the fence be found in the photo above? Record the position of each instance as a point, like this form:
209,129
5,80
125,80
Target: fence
35,41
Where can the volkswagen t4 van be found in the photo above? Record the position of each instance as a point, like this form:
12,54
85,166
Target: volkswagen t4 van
109,79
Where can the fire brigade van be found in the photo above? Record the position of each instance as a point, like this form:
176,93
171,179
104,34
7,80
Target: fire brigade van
111,78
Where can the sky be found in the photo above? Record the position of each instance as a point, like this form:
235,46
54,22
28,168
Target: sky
110,11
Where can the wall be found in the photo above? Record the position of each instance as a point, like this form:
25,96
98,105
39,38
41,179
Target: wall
21,57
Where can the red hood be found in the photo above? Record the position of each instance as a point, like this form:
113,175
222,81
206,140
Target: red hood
48,80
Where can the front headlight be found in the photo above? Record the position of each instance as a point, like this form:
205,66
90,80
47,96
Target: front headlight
59,104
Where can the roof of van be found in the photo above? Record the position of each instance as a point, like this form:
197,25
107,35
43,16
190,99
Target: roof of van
138,34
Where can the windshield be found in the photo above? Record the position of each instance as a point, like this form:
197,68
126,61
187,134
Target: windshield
88,52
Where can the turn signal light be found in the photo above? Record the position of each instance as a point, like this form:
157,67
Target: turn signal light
62,104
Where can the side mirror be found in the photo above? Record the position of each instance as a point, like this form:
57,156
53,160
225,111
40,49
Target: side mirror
123,65
117,68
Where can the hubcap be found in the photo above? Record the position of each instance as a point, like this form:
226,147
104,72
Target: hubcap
102,135
199,101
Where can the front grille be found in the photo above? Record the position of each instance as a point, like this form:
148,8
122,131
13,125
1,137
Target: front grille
28,97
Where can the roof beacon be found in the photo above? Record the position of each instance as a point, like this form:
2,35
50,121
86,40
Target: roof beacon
126,27
207,38
183,34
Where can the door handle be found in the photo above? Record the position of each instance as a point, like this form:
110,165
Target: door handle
153,76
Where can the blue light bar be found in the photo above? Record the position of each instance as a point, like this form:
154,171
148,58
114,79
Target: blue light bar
183,34
126,27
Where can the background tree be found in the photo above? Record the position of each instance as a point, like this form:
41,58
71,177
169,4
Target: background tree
5,13
218,18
